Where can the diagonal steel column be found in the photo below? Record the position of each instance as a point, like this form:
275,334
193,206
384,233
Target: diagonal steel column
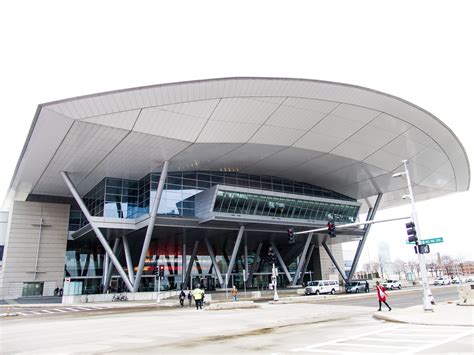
254,265
282,263
246,258
343,275
360,247
214,262
151,224
302,259
96,229
234,253
110,268
128,259
183,259
308,258
190,265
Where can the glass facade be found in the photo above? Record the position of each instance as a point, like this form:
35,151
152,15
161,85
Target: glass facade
273,206
121,198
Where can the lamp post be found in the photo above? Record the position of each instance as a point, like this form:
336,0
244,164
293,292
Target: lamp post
427,306
274,281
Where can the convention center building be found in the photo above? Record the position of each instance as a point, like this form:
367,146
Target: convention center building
201,180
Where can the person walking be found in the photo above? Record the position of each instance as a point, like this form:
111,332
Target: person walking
198,295
234,293
182,297
382,296
190,298
367,286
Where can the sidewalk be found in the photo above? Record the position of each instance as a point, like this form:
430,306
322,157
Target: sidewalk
444,314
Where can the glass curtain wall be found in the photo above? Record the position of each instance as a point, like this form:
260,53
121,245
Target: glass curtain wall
272,206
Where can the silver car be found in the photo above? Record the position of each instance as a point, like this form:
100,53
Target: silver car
356,287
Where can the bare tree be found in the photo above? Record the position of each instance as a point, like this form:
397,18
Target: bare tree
399,267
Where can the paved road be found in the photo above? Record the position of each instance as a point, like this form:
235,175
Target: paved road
402,299
354,335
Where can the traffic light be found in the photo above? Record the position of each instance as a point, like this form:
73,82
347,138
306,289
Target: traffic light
411,231
155,271
161,271
291,235
331,229
424,248
271,255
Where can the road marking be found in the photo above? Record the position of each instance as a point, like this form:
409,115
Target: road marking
346,343
22,314
441,342
34,312
72,309
85,308
47,311
59,310
331,342
392,339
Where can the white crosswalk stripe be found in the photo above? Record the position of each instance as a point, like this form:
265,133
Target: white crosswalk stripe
399,339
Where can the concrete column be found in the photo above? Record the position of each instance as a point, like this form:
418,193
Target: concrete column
111,266
128,259
282,263
96,229
234,253
302,259
214,262
151,224
191,262
308,258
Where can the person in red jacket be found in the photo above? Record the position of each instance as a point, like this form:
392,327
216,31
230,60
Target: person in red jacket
382,296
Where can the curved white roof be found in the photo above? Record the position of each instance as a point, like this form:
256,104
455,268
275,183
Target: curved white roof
346,138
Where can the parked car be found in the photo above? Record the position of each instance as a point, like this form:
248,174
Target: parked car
442,281
321,286
458,280
356,287
392,284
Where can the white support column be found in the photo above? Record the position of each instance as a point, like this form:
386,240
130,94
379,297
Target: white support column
128,259
111,266
190,265
282,263
308,257
214,262
234,253
96,229
254,265
151,224
302,259
246,257
183,260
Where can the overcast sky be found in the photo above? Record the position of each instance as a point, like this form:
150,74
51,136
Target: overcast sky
420,51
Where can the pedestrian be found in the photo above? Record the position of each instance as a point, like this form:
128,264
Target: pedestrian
366,286
190,298
382,296
182,296
60,291
234,293
198,295
56,291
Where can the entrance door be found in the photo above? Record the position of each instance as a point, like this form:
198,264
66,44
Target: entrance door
32,289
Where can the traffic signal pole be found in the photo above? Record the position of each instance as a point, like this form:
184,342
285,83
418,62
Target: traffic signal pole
427,306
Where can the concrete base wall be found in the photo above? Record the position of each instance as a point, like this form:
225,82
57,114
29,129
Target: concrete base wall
136,296
34,253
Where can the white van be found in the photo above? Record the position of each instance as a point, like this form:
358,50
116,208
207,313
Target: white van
321,286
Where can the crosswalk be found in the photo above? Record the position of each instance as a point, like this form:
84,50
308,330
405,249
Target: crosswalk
392,339
59,310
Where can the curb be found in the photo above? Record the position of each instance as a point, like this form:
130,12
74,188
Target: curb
394,320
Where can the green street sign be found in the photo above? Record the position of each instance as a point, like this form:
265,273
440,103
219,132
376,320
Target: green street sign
428,241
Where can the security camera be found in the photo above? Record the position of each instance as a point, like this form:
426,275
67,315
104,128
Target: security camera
405,197
397,175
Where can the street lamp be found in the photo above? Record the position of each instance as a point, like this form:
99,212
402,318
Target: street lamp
427,306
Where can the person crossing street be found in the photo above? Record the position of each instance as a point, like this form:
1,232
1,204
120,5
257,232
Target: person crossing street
198,295
382,296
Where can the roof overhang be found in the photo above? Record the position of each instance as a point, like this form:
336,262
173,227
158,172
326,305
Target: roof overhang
342,137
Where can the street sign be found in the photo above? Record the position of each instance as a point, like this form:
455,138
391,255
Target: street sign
428,241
